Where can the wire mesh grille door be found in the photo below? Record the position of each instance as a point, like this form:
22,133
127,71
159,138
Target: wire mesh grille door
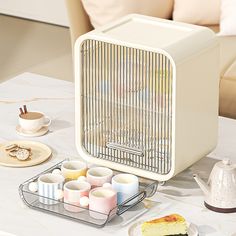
127,105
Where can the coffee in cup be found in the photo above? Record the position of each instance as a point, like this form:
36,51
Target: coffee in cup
33,121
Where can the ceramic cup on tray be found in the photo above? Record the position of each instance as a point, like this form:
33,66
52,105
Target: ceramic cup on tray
97,176
102,201
73,169
48,187
73,191
126,185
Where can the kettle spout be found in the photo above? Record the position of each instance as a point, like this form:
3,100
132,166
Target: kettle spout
203,186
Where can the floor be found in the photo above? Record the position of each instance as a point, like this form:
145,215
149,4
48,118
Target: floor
34,47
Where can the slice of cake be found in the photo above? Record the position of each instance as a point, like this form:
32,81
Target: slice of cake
165,226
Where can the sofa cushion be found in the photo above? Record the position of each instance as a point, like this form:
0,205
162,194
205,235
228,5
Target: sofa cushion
228,17
227,98
228,77
231,72
227,50
215,28
200,12
104,11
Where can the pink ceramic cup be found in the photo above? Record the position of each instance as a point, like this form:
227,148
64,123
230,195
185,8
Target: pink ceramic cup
97,176
73,191
101,202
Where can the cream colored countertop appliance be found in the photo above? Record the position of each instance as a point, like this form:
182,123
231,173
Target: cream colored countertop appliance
146,95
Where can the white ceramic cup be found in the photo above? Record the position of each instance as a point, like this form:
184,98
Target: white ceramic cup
97,176
71,170
101,202
126,186
73,191
33,121
48,187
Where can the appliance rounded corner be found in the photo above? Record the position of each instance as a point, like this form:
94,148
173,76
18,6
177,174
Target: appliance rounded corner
82,153
169,175
80,40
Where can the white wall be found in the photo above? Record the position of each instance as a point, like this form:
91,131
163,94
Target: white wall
51,11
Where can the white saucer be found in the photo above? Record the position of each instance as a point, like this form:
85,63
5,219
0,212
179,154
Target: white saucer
24,133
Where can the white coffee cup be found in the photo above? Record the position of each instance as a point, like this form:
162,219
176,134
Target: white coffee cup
33,121
73,191
126,185
48,187
97,176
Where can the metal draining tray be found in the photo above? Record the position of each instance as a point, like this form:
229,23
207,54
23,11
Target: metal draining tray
147,189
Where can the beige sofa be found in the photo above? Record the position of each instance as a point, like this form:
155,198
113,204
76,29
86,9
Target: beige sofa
80,24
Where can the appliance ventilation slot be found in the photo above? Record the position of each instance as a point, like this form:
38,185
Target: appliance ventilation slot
126,105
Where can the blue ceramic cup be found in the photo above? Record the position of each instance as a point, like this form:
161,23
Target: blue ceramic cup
48,187
126,185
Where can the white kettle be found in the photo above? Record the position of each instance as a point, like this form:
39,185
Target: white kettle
220,191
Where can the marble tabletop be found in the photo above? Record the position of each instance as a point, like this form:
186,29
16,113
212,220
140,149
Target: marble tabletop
56,98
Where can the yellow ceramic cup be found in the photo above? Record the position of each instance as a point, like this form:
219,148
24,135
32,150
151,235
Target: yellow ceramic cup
71,170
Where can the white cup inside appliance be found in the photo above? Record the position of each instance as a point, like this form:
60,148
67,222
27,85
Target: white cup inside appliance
126,185
33,121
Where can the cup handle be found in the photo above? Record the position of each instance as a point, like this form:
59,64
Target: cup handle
47,121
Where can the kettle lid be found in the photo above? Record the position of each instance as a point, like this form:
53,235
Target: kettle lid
225,164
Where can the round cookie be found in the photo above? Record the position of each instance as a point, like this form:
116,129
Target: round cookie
22,154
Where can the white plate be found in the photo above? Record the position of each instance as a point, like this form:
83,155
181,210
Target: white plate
40,153
135,229
24,133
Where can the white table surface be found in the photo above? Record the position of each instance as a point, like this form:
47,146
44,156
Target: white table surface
56,99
